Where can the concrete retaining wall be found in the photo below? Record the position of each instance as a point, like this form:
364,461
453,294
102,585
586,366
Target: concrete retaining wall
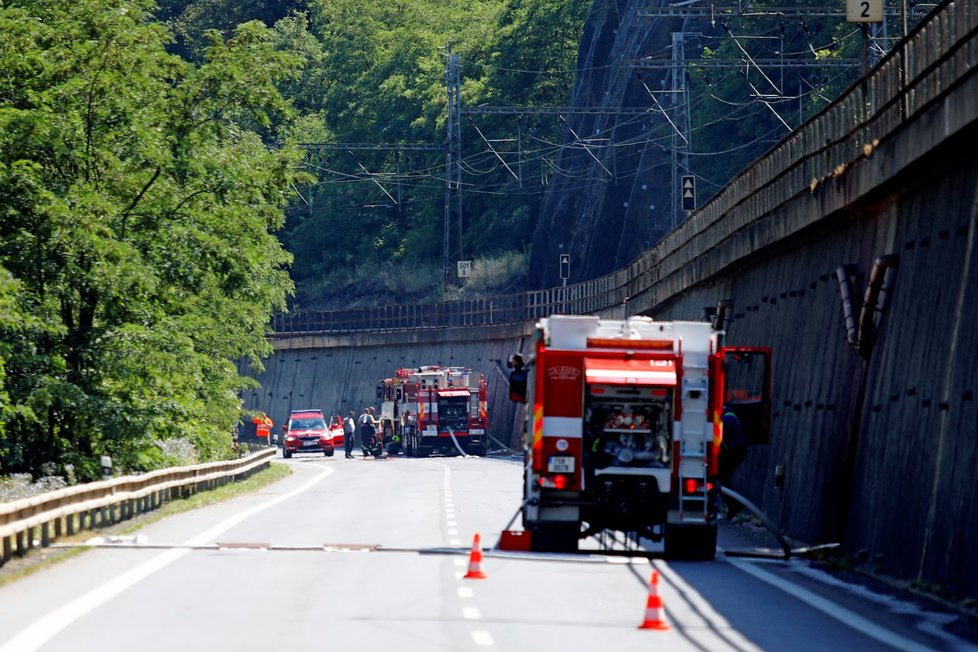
340,373
878,454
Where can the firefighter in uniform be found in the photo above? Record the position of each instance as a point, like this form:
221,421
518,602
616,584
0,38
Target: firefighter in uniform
367,425
263,428
733,451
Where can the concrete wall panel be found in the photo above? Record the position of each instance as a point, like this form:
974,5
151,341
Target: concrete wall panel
341,374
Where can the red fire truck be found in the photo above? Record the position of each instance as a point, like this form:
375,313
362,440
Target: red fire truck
625,429
434,409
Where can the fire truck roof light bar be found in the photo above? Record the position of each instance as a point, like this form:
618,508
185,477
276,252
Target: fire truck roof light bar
622,343
630,372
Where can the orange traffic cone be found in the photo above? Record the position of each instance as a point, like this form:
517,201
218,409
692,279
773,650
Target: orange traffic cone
475,561
653,608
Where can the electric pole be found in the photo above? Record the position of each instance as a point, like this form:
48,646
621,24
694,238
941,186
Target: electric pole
680,134
452,251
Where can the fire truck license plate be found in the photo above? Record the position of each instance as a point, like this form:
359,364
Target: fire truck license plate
560,464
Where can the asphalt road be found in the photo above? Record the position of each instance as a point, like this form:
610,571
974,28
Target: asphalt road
369,555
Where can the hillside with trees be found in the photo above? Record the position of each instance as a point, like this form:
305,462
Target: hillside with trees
172,174
371,105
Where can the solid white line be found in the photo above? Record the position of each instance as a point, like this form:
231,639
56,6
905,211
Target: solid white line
43,630
711,621
830,609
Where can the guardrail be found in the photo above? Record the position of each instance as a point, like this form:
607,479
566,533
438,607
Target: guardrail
97,504
937,55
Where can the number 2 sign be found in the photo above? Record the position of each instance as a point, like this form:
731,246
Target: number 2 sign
864,11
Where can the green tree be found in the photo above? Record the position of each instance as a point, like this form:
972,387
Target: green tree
381,77
138,203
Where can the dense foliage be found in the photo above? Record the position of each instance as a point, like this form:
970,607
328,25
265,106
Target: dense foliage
147,159
138,203
162,164
372,224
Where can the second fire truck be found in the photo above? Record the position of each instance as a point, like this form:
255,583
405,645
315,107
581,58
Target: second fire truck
434,409
626,421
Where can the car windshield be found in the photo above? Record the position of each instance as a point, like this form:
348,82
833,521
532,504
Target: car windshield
308,424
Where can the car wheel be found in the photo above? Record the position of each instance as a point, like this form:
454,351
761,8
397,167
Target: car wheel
286,453
329,453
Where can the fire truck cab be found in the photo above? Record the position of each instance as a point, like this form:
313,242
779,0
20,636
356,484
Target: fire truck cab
434,409
625,424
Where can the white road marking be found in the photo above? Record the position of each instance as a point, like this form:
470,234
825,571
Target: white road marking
451,542
465,592
452,532
482,638
460,562
470,613
832,610
43,630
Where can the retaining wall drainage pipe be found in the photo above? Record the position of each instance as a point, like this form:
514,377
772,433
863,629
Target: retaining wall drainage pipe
842,275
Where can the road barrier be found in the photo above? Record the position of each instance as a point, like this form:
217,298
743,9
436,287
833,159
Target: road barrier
98,504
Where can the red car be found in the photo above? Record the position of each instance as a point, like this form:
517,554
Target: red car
307,432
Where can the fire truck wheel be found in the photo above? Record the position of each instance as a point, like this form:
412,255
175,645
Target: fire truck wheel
691,542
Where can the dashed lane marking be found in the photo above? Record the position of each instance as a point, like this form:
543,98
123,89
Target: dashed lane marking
481,638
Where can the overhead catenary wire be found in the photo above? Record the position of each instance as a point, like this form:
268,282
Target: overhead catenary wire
493,149
476,164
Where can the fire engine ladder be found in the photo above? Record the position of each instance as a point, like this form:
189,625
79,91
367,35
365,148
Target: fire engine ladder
692,461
